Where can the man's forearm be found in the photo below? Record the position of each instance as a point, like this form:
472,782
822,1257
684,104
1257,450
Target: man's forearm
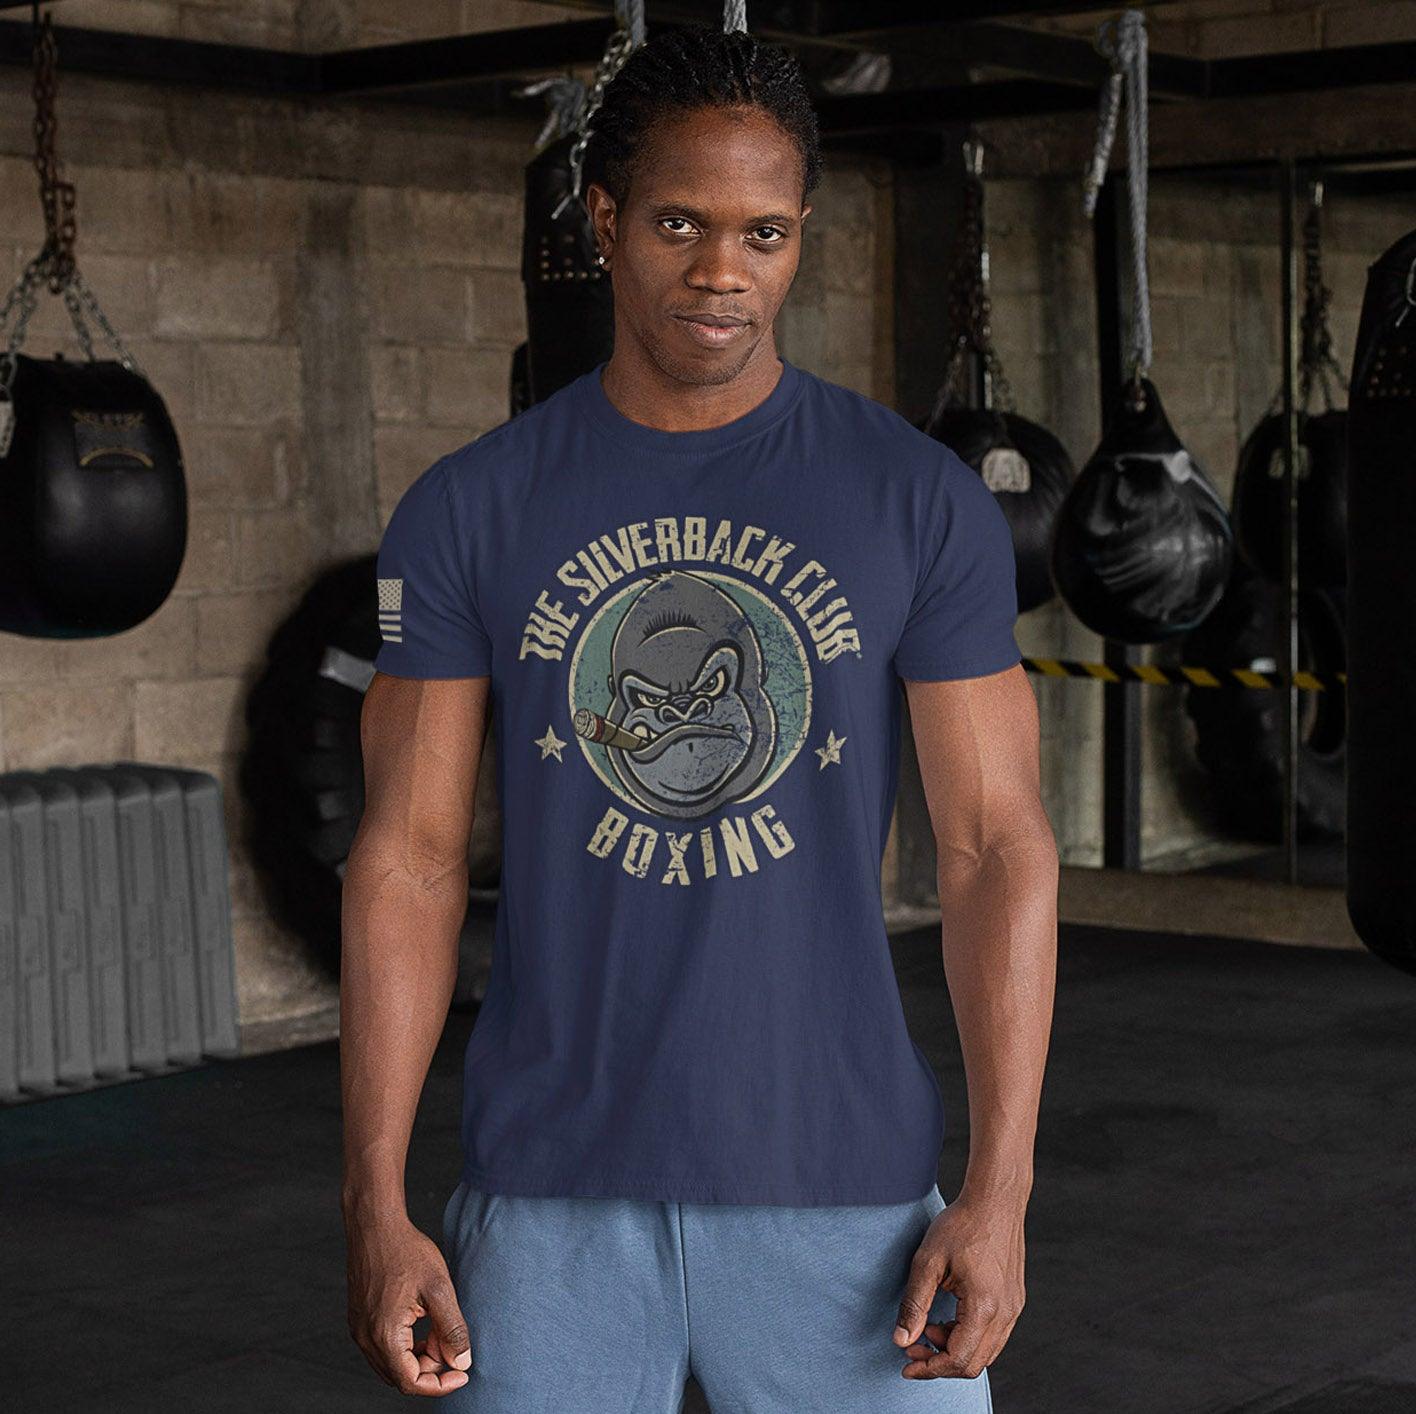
999,927
399,966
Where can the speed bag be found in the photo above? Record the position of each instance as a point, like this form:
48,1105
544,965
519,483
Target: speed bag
1260,501
570,316
1028,471
1381,609
93,501
1143,545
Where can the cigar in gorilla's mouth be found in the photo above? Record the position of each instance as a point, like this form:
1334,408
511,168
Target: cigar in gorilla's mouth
593,727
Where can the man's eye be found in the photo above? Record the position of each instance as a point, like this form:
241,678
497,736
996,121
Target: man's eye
676,218
772,230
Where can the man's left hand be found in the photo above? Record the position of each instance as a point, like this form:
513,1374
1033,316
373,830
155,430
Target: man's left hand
974,1249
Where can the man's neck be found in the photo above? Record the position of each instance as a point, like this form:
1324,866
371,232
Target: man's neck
643,392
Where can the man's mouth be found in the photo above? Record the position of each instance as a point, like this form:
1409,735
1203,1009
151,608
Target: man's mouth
712,331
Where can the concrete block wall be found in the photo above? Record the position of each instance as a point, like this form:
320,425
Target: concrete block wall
328,298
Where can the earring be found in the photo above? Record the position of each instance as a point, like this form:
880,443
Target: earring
600,259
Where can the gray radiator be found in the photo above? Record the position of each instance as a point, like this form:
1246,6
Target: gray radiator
116,955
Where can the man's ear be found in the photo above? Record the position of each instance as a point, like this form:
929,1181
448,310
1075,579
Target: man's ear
601,206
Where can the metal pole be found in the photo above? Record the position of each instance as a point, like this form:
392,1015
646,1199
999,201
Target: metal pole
1121,706
1289,199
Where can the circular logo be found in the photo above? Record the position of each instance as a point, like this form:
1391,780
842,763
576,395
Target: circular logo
689,691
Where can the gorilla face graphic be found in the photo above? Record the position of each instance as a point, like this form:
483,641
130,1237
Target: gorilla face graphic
686,675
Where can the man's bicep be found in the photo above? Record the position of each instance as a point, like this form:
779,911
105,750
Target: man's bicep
422,744
977,743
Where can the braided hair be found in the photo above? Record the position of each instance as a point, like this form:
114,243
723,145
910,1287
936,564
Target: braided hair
697,66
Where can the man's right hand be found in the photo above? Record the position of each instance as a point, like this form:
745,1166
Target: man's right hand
396,1275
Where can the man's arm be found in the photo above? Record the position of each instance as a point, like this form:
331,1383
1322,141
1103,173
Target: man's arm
978,748
404,899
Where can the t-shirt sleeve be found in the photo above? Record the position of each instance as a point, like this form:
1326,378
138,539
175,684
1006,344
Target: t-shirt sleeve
965,602
429,626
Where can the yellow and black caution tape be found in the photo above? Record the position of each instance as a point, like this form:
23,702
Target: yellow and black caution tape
1184,675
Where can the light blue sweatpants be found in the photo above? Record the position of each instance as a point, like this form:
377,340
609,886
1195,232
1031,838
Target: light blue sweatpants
604,1306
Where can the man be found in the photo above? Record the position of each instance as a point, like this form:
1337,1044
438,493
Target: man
698,1136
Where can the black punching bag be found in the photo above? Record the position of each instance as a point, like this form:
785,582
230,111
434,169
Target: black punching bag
1028,471
570,314
1261,502
93,501
1381,608
1143,547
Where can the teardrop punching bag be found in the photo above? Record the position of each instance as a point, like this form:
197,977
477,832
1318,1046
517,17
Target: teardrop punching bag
1143,546
93,494
1261,502
93,501
1381,609
1028,471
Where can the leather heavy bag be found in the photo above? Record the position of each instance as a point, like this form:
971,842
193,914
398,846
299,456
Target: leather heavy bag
1381,610
570,318
519,384
1260,503
1029,485
1143,546
93,501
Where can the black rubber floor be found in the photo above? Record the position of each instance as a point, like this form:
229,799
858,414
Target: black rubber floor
1224,1216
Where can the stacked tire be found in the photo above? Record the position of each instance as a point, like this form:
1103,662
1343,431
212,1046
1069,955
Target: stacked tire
1239,730
302,772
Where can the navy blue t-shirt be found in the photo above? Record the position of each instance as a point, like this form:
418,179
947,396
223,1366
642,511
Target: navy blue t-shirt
695,642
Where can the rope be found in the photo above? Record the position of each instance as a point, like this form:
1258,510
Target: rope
629,15
565,98
1123,42
734,15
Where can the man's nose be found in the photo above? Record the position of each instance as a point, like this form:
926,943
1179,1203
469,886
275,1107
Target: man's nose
719,264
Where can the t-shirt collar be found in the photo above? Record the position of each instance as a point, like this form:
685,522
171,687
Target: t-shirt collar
591,397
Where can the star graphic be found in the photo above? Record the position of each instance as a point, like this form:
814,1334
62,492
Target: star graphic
831,752
549,743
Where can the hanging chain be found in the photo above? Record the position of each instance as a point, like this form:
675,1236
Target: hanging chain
24,297
970,308
1317,363
620,45
55,194
55,266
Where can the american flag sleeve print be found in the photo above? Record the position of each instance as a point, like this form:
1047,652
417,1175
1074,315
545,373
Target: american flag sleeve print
428,622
